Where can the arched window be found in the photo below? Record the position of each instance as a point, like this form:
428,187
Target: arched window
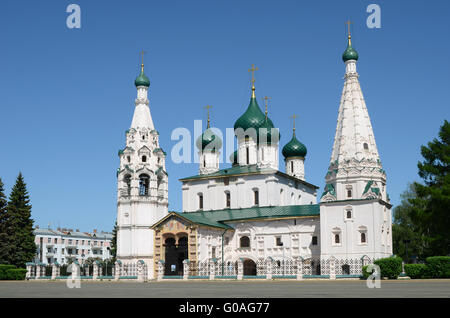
292,166
363,237
349,214
127,180
144,184
245,241
200,201
337,239
128,158
256,196
227,199
247,155
144,158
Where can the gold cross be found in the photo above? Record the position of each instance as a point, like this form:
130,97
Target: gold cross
208,107
253,69
348,26
142,58
266,99
293,117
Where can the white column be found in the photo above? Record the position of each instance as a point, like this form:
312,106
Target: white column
186,269
332,267
269,268
160,270
300,268
240,273
117,270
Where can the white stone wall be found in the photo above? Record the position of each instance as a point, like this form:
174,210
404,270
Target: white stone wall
296,235
274,190
371,217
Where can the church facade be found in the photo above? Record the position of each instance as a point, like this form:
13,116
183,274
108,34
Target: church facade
252,211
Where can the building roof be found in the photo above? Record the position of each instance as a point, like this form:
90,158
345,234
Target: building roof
71,233
220,218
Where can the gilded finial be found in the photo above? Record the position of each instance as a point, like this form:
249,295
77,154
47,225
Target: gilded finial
348,31
142,60
266,99
207,108
293,128
252,70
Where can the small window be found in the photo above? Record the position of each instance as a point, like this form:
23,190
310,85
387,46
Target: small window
256,194
314,240
247,155
228,199
213,252
144,158
245,241
366,146
227,240
349,214
278,241
363,237
128,158
337,239
200,201
292,167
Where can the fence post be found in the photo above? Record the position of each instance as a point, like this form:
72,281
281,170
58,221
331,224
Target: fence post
212,268
332,267
117,269
29,269
141,268
54,269
160,269
300,268
240,272
38,270
95,271
269,268
186,269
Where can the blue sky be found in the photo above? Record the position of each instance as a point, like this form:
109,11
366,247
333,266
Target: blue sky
67,95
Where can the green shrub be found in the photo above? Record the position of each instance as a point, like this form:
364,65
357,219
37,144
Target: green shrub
390,267
3,269
365,273
438,266
16,274
416,270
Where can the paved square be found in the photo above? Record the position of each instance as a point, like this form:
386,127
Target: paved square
228,289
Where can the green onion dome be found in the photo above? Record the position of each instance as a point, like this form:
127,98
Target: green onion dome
294,148
253,118
234,158
208,141
142,79
350,53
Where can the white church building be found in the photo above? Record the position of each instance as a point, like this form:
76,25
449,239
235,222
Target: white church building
252,211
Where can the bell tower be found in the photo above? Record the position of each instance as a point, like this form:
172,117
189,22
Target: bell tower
142,182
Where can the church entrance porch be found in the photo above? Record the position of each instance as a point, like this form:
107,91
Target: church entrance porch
249,267
175,254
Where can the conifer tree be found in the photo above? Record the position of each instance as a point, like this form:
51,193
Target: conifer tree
431,206
113,250
4,243
20,225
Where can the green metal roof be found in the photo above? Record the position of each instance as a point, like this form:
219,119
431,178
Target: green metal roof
227,215
294,148
142,79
